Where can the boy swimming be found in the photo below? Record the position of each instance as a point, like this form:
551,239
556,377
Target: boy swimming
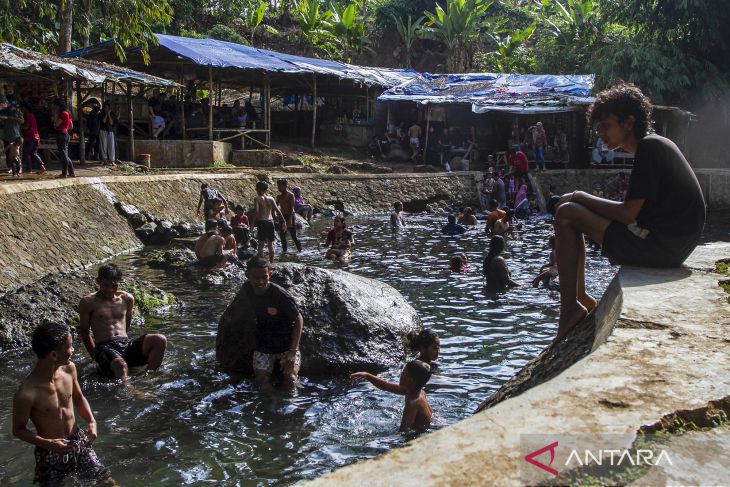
47,397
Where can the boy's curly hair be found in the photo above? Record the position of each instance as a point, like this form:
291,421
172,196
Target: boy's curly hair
623,100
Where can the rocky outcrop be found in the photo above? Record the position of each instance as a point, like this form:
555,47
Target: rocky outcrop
56,298
155,231
350,323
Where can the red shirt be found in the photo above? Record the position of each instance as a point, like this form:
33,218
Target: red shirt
65,122
30,128
239,220
518,161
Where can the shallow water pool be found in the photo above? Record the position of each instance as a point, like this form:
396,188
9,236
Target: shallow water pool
188,424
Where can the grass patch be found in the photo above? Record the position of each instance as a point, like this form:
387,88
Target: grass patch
723,267
148,299
221,165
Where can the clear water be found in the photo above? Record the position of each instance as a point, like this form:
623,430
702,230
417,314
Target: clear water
187,424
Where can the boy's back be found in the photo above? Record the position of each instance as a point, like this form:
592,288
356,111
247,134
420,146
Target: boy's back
264,205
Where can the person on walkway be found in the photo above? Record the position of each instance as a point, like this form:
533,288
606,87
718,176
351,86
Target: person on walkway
107,144
105,317
414,140
12,119
47,397
31,140
279,325
62,123
286,201
658,225
540,138
93,126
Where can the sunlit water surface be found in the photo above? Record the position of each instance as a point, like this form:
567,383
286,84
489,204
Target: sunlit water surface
188,424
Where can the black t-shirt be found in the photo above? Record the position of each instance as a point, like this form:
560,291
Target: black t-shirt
674,208
276,313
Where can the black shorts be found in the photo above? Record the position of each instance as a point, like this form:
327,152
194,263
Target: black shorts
622,246
124,347
211,260
265,230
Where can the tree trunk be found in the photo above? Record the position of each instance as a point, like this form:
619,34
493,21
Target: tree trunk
65,30
86,34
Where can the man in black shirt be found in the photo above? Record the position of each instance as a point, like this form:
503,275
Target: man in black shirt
278,324
658,224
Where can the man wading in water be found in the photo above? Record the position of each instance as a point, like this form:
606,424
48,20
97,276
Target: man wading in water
278,325
107,314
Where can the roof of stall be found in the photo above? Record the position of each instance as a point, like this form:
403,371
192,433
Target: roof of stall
230,59
518,93
23,62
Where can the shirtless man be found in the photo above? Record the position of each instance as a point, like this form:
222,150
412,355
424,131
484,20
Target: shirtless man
414,137
266,208
285,200
107,314
209,248
47,397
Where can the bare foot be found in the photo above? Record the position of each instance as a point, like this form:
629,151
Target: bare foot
569,318
588,302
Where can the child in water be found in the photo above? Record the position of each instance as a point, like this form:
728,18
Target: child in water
550,269
427,344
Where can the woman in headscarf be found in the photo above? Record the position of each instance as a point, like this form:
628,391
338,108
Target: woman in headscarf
300,206
522,204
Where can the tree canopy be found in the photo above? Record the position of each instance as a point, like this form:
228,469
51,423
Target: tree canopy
677,50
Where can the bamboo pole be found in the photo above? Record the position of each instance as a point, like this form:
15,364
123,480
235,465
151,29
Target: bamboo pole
183,130
210,102
80,113
428,127
130,109
267,110
314,109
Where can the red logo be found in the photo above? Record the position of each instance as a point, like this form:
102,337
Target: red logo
530,458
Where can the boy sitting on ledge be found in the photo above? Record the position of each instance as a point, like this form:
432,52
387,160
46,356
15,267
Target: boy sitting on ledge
658,224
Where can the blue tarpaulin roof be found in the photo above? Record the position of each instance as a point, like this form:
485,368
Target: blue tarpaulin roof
222,54
520,93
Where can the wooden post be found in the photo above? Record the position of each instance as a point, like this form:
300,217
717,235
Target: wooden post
267,110
130,109
428,126
367,103
210,102
80,114
387,118
314,109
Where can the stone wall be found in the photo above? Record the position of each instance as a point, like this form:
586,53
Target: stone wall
715,185
183,153
57,225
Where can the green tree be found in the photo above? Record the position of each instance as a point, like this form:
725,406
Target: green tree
409,32
253,17
456,26
347,30
313,23
504,57
225,33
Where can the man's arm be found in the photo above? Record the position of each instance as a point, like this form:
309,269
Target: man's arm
381,384
296,336
85,326
82,405
225,202
129,299
622,212
200,203
22,405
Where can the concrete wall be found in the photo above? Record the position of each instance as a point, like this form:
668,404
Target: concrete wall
58,225
715,183
183,153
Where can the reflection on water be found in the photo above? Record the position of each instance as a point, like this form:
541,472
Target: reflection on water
187,424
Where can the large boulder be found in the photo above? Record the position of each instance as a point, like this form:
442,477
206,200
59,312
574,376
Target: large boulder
350,323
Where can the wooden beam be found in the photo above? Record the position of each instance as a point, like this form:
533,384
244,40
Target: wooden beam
182,102
130,112
210,102
80,113
428,126
267,111
314,107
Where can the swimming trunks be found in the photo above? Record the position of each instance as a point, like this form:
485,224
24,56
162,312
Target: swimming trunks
52,467
415,142
265,230
267,361
211,261
124,347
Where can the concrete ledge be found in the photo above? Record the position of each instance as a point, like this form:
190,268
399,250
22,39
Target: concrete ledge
183,153
668,352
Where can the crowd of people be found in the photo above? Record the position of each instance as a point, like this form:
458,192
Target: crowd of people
640,230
